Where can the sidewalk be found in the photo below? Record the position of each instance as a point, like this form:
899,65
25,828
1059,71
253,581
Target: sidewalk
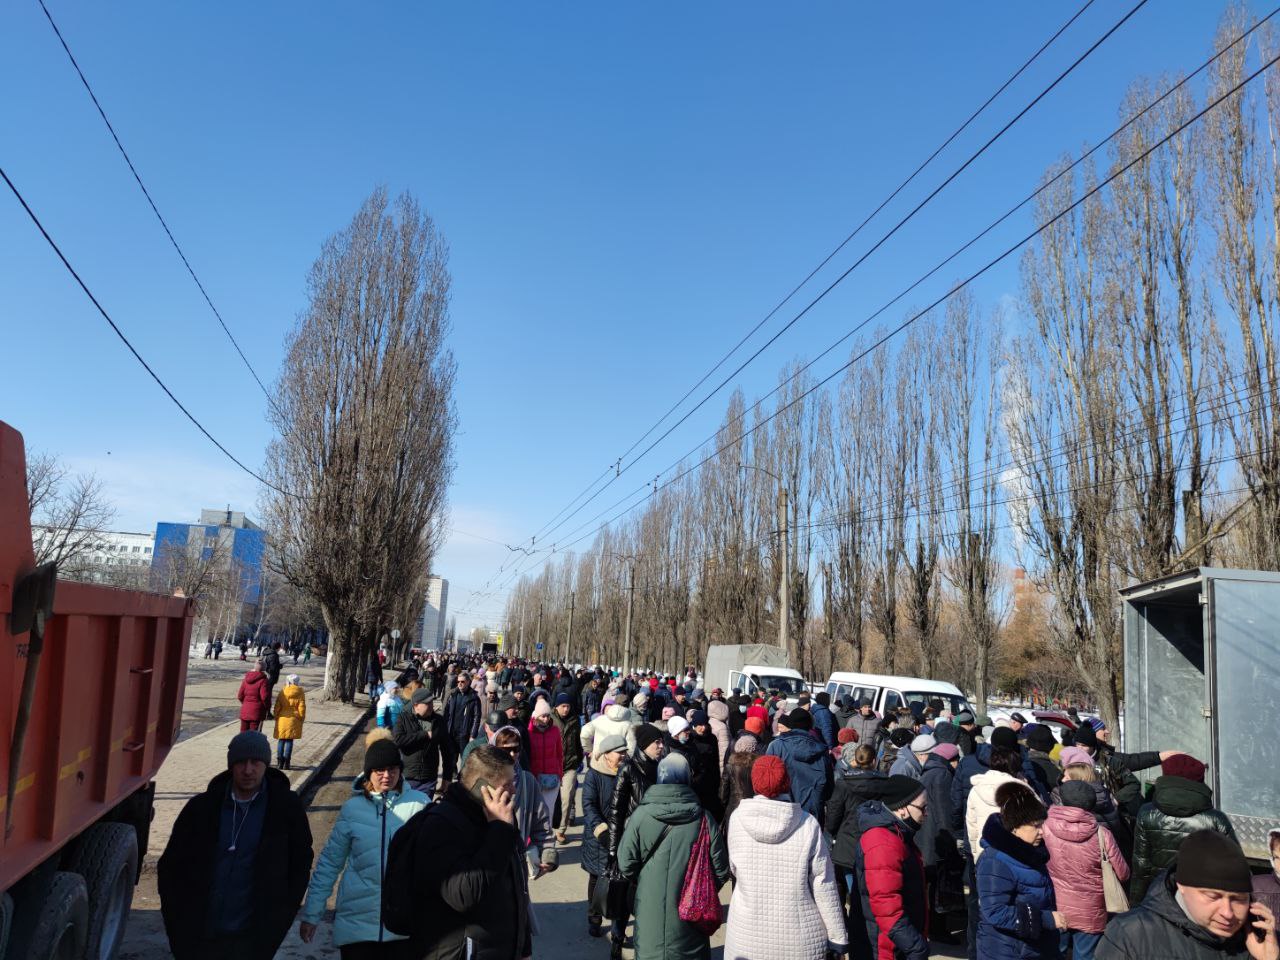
209,702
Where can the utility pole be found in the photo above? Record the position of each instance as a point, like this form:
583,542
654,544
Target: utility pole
626,643
520,641
568,637
784,609
537,637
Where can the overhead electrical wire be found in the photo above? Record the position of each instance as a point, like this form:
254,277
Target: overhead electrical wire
125,340
1089,194
617,470
155,209
623,468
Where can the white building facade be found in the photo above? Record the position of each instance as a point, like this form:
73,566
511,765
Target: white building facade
108,548
431,628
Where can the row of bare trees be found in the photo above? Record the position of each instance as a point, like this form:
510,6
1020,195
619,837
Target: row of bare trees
1120,422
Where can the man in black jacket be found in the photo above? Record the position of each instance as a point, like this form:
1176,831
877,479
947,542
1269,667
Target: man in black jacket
461,719
271,667
420,734
1198,909
235,869
570,727
456,882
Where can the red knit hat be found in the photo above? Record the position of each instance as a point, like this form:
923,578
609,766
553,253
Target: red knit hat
1183,765
847,735
769,777
757,711
754,725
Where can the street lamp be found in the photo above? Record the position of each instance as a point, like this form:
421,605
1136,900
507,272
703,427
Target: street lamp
784,588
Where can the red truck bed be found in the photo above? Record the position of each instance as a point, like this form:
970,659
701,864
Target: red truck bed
108,694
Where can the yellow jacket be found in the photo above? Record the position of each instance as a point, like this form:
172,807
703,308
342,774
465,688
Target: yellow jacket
290,711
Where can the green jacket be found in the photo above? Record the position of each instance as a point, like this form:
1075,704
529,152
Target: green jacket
659,871
1178,808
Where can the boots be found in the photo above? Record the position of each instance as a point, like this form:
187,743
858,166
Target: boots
615,948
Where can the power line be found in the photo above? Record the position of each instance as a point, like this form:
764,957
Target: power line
1085,197
623,468
617,467
125,340
154,209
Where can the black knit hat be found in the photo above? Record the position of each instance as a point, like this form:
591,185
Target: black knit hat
646,734
1039,737
1077,793
1004,737
382,755
1213,861
899,790
1086,736
798,719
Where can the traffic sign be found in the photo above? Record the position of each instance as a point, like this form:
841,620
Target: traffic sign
538,646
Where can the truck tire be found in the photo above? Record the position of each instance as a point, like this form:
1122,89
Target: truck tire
106,856
62,928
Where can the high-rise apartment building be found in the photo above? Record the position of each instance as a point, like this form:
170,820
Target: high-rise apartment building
431,627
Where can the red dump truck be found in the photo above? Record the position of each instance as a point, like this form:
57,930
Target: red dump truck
91,685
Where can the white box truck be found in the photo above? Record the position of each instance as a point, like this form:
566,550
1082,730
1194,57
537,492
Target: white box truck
754,668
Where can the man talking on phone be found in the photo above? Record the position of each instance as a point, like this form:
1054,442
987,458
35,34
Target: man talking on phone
456,883
1200,908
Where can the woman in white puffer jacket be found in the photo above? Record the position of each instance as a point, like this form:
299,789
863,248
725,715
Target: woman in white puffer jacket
616,720
777,855
1004,763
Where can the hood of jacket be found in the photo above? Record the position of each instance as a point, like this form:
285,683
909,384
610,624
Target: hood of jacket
986,784
672,803
643,766
949,733
768,821
996,837
935,762
253,676
599,766
616,711
1180,797
864,784
1072,824
801,745
874,814
718,710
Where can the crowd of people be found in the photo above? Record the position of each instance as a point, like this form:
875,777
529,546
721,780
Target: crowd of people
838,830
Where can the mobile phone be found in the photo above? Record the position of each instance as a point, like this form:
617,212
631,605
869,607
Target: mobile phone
477,789
1258,933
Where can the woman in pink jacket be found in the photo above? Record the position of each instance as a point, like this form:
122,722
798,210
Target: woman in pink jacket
546,754
1075,865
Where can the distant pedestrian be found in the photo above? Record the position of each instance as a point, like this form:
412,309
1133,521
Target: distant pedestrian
271,666
389,705
306,653
421,736
809,765
380,805
253,696
290,712
570,726
234,871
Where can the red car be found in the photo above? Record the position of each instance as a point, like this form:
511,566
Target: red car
1055,720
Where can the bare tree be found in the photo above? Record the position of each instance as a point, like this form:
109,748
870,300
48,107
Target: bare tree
365,417
69,512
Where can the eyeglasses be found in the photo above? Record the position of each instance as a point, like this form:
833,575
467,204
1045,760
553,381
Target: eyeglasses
514,751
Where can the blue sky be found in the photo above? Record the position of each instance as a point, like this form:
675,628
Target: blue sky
626,189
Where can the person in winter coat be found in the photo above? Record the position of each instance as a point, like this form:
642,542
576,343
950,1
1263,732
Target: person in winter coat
1180,805
1197,910
546,751
844,711
570,727
233,873
824,721
616,720
809,765
253,695
1019,915
456,882
1104,808
597,798
706,763
533,819
270,665
381,804
636,775
735,785
654,851
462,712
389,706
1116,770
862,783
943,866
1075,843
290,712
910,762
890,873
778,855
896,742
718,717
420,734
1005,765
1266,886
865,722
1040,744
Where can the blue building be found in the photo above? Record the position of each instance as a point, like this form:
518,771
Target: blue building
227,535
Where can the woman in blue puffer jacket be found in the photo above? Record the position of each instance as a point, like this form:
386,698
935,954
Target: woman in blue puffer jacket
1018,918
357,848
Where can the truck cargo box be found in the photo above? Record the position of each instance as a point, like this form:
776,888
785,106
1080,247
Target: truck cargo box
1202,675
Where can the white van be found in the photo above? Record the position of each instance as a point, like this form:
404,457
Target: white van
888,693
